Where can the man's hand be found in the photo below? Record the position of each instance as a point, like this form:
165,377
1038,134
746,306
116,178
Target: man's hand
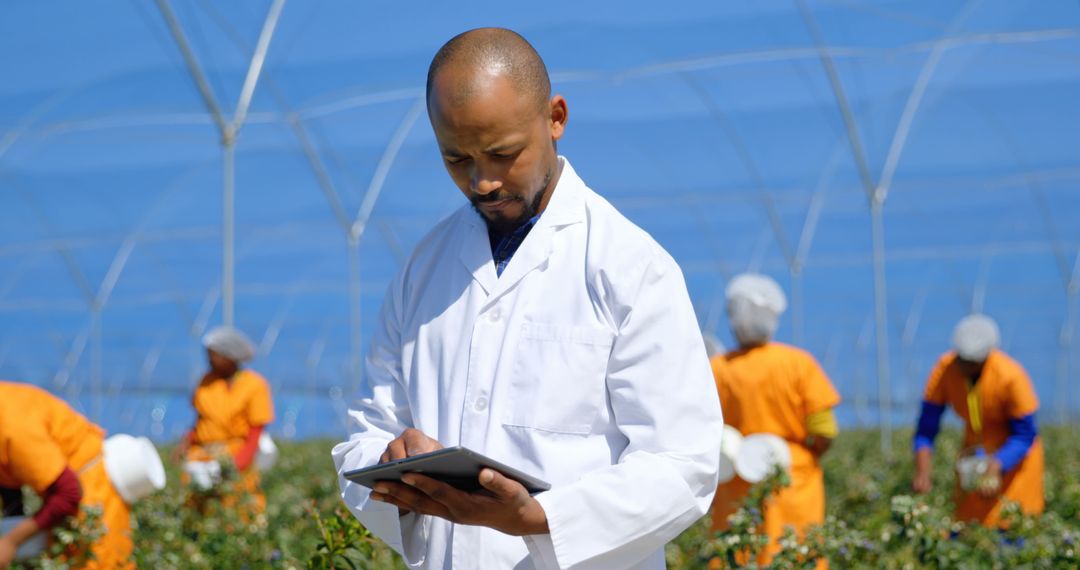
503,505
818,444
990,482
411,442
923,481
7,552
9,543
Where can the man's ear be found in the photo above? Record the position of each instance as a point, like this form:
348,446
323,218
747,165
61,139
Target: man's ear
558,114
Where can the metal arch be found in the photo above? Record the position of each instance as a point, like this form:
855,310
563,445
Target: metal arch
674,66
194,69
907,338
747,161
806,238
15,133
787,54
228,131
392,242
982,283
258,58
12,279
71,359
322,175
1034,188
915,98
293,291
1068,336
353,228
382,170
877,230
76,273
817,203
914,253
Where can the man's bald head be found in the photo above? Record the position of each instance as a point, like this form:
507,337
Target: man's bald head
485,53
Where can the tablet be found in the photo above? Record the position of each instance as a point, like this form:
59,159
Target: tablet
456,466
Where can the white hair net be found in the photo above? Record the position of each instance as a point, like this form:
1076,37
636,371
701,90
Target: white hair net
760,290
974,337
230,343
755,303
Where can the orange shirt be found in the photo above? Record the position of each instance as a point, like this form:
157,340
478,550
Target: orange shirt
40,435
1004,392
773,389
228,409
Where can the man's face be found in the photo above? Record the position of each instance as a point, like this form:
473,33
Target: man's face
221,364
497,145
968,368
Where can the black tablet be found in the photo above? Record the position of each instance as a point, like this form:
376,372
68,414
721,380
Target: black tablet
455,466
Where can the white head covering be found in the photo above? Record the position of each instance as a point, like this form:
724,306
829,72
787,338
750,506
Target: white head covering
974,337
755,303
760,290
230,343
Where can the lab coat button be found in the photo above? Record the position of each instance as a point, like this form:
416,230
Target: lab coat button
481,404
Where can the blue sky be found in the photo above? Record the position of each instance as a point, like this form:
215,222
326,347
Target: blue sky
689,118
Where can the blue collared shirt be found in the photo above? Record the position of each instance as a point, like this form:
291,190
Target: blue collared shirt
503,247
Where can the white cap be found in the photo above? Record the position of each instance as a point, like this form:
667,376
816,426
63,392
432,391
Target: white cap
760,290
754,305
974,337
230,343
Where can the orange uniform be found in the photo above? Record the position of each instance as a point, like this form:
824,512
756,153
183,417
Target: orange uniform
227,410
773,389
40,436
1004,392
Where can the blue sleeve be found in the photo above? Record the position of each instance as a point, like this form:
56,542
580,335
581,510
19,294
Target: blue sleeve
929,425
1022,432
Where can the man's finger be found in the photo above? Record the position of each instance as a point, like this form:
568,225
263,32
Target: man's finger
391,500
435,489
499,484
413,499
417,443
396,450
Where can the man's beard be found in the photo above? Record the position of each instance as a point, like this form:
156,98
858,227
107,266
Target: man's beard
503,225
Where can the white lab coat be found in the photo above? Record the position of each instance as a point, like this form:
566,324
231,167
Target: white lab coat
582,365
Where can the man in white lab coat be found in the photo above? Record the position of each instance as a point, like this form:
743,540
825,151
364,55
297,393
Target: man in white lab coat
540,327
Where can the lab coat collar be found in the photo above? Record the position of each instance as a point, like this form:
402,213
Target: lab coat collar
566,207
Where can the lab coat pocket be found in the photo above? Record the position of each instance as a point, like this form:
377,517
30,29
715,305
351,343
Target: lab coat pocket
559,378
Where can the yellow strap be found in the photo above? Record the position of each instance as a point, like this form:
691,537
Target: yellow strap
822,423
974,414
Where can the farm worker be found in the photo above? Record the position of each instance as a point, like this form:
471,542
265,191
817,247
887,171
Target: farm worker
994,396
233,407
46,445
769,387
540,327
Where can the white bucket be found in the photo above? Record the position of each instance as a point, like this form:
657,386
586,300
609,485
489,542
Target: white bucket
134,466
972,468
204,474
267,454
33,546
729,450
759,454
